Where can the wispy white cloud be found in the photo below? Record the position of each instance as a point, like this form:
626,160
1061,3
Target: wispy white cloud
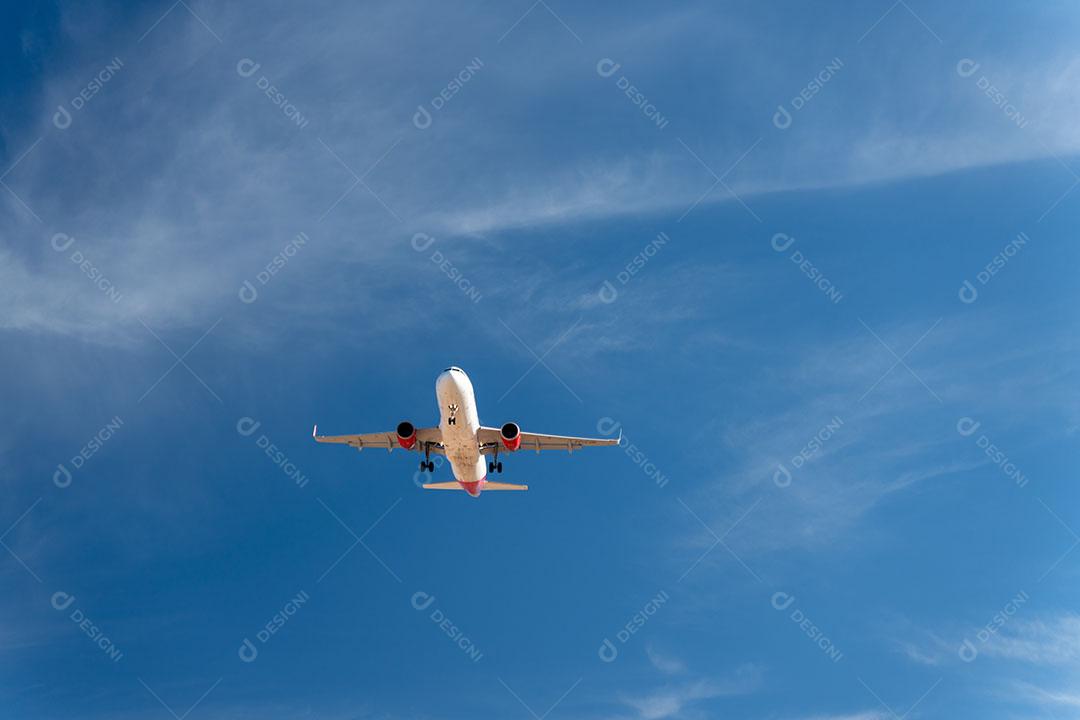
1041,696
888,440
1048,641
670,700
188,180
1030,663
667,664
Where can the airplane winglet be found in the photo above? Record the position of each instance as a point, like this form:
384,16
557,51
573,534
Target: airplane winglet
315,431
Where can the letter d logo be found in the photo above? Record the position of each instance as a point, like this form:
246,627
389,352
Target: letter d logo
62,477
608,652
607,67
422,600
782,600
247,67
967,651
608,293
421,118
248,652
968,294
248,294
966,67
62,600
782,477
61,118
781,118
781,242
61,241
966,426
607,426
421,242
246,426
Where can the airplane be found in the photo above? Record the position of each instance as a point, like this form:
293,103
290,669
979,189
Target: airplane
462,439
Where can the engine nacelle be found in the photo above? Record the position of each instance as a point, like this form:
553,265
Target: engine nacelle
511,436
406,434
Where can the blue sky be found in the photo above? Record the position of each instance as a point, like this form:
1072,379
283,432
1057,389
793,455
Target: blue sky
816,263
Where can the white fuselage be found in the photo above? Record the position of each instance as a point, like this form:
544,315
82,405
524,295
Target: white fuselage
459,423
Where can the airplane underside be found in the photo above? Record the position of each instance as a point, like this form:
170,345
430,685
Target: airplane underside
463,440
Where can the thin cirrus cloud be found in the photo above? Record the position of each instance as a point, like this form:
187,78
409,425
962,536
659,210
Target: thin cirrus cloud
667,664
182,179
670,700
1044,698
879,432
1030,662
1048,641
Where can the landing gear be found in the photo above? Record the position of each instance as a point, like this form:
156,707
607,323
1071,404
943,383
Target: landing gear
495,466
427,465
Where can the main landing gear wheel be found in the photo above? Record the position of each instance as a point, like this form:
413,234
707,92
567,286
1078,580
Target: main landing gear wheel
498,467
426,465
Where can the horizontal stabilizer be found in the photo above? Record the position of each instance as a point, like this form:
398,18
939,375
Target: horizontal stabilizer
486,486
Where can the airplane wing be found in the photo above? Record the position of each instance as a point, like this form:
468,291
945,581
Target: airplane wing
490,440
385,440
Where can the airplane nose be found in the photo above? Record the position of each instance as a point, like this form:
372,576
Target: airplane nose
452,376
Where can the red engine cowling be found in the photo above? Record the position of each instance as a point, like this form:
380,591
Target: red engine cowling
511,436
406,434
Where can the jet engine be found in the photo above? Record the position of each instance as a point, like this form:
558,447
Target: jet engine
511,436
406,434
